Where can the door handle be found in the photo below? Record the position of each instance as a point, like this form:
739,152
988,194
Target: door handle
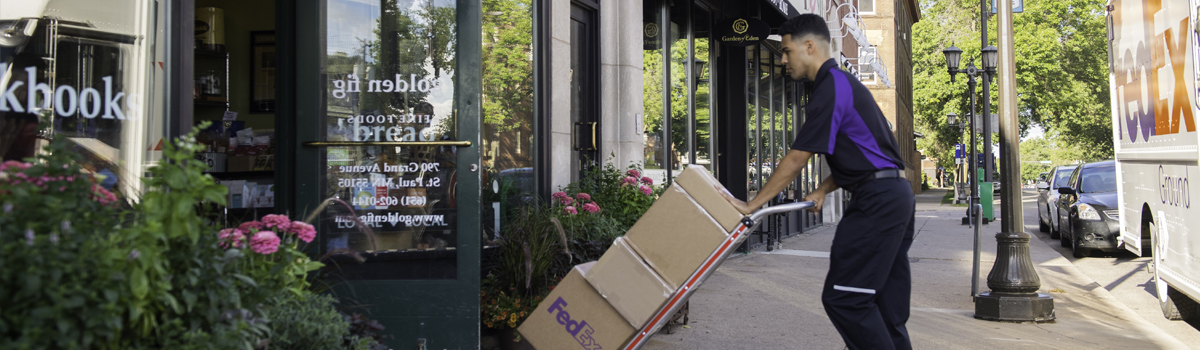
584,137
386,143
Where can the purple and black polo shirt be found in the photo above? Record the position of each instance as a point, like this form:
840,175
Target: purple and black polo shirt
845,124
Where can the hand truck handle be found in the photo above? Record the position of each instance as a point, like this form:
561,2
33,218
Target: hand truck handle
778,209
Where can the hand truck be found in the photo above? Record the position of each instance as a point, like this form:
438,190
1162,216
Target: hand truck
714,260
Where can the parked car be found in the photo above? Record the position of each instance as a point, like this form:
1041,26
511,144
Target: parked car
1087,206
1048,197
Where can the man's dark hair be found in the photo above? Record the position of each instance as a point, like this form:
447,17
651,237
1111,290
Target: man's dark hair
806,24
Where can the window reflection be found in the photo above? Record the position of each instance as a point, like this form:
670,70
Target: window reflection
508,114
389,74
92,80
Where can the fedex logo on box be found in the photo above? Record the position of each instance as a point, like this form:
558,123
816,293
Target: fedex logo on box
578,329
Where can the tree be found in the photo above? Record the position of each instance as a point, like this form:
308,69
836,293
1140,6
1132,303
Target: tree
1062,75
508,64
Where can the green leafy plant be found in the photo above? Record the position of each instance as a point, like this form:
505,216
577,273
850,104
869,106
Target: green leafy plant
311,321
61,281
532,256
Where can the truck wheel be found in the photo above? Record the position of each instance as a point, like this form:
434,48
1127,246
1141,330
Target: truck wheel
1174,304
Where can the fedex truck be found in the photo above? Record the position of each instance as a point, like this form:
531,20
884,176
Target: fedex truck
1153,77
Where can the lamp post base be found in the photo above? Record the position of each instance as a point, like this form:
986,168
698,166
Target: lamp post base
1032,307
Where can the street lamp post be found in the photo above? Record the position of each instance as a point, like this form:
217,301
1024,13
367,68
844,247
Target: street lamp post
953,56
953,121
1013,280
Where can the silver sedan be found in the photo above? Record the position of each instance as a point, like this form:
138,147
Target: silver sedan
1048,196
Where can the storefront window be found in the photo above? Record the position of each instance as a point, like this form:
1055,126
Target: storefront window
508,113
85,71
685,135
389,77
652,86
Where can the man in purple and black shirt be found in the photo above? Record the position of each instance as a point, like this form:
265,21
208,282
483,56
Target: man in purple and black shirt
868,287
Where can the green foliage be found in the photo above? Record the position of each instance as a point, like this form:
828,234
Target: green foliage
508,63
62,283
1061,72
310,322
501,305
186,293
80,269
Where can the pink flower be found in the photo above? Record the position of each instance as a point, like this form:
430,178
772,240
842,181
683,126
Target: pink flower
647,180
633,173
645,189
305,231
14,164
570,210
264,242
630,180
231,237
583,196
246,226
566,200
559,194
591,208
277,222
101,195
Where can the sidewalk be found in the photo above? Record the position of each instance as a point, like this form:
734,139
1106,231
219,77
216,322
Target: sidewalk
771,300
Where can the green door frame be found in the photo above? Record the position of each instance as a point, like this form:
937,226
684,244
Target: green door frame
417,314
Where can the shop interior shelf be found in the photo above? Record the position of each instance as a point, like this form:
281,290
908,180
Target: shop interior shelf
212,103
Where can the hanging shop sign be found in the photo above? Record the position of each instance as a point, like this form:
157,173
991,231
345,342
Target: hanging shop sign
742,31
651,36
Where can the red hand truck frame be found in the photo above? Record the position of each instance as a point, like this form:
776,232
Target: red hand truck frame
714,260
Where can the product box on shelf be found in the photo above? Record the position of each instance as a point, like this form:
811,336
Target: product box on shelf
628,283
236,193
575,316
240,163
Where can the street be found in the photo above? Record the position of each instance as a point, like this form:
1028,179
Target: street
1123,274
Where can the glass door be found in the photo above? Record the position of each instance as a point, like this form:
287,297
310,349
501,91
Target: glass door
387,112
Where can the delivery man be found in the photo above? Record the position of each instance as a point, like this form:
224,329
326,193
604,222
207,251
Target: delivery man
867,289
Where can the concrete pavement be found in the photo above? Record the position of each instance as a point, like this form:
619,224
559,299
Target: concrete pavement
771,300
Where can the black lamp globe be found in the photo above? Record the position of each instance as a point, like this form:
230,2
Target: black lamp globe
989,58
953,55
952,119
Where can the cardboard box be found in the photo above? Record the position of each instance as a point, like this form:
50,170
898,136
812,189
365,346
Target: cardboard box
575,316
699,184
629,284
240,163
675,236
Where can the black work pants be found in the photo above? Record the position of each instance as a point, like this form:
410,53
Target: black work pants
868,288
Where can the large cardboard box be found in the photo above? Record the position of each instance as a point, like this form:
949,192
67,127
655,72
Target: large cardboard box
675,236
575,316
702,186
629,284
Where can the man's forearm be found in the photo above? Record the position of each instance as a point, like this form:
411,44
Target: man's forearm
827,185
787,171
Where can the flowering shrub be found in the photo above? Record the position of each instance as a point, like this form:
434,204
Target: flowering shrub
622,195
503,306
277,259
80,268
